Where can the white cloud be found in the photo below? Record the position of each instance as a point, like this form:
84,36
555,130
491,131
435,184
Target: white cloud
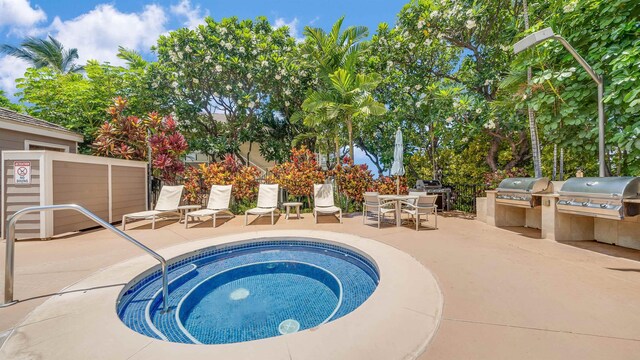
11,68
292,25
98,33
193,15
19,14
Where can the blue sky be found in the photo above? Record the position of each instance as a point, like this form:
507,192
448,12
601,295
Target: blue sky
97,28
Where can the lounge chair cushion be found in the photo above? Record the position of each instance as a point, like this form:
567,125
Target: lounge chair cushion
219,197
327,209
169,198
259,211
206,212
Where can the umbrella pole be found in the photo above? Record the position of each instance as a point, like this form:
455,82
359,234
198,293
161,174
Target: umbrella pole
397,185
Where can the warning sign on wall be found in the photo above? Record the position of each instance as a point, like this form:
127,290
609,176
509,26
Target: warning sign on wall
22,172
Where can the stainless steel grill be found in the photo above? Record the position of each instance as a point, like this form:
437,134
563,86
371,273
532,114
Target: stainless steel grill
520,191
435,187
604,197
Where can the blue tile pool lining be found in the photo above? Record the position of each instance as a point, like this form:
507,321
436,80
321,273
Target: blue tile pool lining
138,293
199,254
180,310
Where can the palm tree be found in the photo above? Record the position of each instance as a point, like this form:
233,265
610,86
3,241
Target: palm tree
343,95
335,49
45,53
133,58
347,97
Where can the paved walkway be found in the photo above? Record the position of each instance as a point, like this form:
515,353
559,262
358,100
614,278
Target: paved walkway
507,294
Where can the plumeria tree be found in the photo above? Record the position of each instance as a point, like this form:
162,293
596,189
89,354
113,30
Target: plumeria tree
418,99
481,33
223,76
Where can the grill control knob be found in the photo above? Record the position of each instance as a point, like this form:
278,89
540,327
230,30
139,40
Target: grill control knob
604,206
586,203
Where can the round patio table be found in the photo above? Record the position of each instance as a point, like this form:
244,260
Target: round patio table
398,199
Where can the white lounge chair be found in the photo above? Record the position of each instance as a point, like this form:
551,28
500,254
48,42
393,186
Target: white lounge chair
267,202
378,207
323,201
219,200
168,202
425,205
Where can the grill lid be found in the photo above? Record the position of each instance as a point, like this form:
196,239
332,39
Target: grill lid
523,184
625,187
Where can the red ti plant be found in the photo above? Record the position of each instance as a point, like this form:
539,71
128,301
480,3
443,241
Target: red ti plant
298,175
352,180
129,137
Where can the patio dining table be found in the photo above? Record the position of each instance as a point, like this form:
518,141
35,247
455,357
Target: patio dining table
398,199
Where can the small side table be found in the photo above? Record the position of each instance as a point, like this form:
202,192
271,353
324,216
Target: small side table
289,205
184,209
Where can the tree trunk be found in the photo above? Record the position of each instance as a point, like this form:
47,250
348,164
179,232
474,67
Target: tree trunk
337,143
555,162
434,162
533,129
492,154
350,129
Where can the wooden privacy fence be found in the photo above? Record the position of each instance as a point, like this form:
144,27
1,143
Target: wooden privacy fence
107,187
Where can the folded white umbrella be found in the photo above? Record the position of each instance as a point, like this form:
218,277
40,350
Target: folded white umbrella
397,169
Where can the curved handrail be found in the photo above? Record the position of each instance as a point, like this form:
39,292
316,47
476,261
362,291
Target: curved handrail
10,247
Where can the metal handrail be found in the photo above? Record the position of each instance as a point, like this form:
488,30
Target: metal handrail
10,247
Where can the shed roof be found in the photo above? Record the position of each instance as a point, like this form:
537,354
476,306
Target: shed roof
10,116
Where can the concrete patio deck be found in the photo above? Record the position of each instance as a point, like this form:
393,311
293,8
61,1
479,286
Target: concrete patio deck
507,294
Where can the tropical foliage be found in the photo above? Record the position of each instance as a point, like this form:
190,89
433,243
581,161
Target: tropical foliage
298,175
352,181
79,101
45,53
387,185
130,137
607,35
235,68
198,180
445,73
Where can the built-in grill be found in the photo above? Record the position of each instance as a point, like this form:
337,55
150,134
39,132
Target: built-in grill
603,197
435,187
520,191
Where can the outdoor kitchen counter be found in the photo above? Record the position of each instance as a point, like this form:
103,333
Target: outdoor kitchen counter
558,226
501,215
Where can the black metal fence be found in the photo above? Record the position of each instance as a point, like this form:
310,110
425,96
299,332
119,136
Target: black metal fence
463,197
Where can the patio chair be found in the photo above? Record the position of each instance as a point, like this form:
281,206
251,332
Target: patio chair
168,202
267,202
413,192
425,205
219,199
373,204
323,201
